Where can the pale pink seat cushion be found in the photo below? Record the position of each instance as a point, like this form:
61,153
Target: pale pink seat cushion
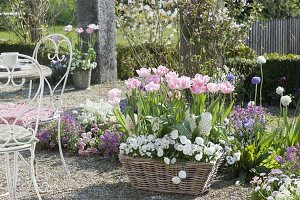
25,114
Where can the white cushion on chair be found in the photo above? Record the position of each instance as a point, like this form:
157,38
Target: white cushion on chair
21,134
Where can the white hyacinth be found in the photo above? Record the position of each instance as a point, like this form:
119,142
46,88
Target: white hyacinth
205,123
279,90
285,100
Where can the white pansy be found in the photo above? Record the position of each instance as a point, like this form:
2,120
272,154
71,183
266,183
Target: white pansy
176,180
261,60
183,139
228,149
167,160
257,188
75,112
226,121
160,152
230,138
285,100
222,141
180,147
210,151
237,155
174,134
182,174
230,160
279,90
199,140
199,156
187,149
205,123
173,161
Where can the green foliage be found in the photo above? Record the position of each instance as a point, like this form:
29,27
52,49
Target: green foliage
62,12
280,8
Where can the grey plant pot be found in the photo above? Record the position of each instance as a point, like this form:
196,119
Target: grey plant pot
82,79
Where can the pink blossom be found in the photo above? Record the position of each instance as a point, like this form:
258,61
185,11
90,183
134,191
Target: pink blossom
160,71
94,150
201,79
83,152
89,30
132,83
114,101
143,72
153,78
93,26
184,82
226,87
80,142
197,88
68,28
152,87
173,83
213,87
171,75
170,94
114,93
79,30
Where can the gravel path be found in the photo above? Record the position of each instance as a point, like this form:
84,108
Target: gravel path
100,179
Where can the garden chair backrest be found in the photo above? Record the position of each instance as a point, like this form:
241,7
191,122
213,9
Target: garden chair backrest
61,54
13,131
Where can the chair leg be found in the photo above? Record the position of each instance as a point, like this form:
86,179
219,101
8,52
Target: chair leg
15,172
8,177
32,172
60,151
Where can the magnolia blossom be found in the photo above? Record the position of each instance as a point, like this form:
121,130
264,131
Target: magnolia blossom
160,70
279,90
68,28
261,60
143,72
226,87
132,83
176,180
213,87
152,87
285,100
182,174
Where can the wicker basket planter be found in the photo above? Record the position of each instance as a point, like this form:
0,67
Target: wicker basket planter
149,174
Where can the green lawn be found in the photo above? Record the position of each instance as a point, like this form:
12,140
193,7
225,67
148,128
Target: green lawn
8,35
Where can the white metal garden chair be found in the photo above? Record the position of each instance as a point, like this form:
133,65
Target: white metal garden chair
61,52
16,134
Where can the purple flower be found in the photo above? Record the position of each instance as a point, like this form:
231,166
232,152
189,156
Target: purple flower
255,80
109,143
279,159
282,81
230,77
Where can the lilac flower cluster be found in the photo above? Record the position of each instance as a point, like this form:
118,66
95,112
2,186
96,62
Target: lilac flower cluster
244,119
290,162
70,127
109,143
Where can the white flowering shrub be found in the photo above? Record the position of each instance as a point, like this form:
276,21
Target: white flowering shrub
95,112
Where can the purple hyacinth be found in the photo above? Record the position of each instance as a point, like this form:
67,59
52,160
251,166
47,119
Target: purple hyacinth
255,80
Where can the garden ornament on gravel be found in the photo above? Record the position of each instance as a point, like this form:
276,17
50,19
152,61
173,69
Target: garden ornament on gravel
18,135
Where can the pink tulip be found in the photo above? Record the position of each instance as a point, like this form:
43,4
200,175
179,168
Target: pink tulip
153,78
201,79
89,30
171,75
172,83
160,70
115,101
213,87
68,28
152,87
79,30
226,87
184,82
114,93
197,88
144,72
132,83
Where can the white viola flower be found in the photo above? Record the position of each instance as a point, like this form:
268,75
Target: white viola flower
226,121
237,156
230,138
180,147
199,156
160,152
228,149
183,139
151,137
251,103
173,161
205,123
257,188
75,112
187,149
148,154
182,174
268,188
270,198
230,160
210,151
285,100
199,140
279,90
261,60
174,134
167,160
222,141
176,180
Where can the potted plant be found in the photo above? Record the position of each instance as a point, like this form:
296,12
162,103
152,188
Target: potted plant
172,143
84,56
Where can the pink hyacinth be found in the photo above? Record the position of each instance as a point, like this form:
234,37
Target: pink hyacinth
153,78
79,30
171,75
152,87
143,72
201,79
213,87
132,83
114,93
160,70
198,88
184,82
226,87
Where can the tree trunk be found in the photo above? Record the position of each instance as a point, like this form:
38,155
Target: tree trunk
102,13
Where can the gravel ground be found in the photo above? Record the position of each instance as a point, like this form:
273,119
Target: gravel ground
100,179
